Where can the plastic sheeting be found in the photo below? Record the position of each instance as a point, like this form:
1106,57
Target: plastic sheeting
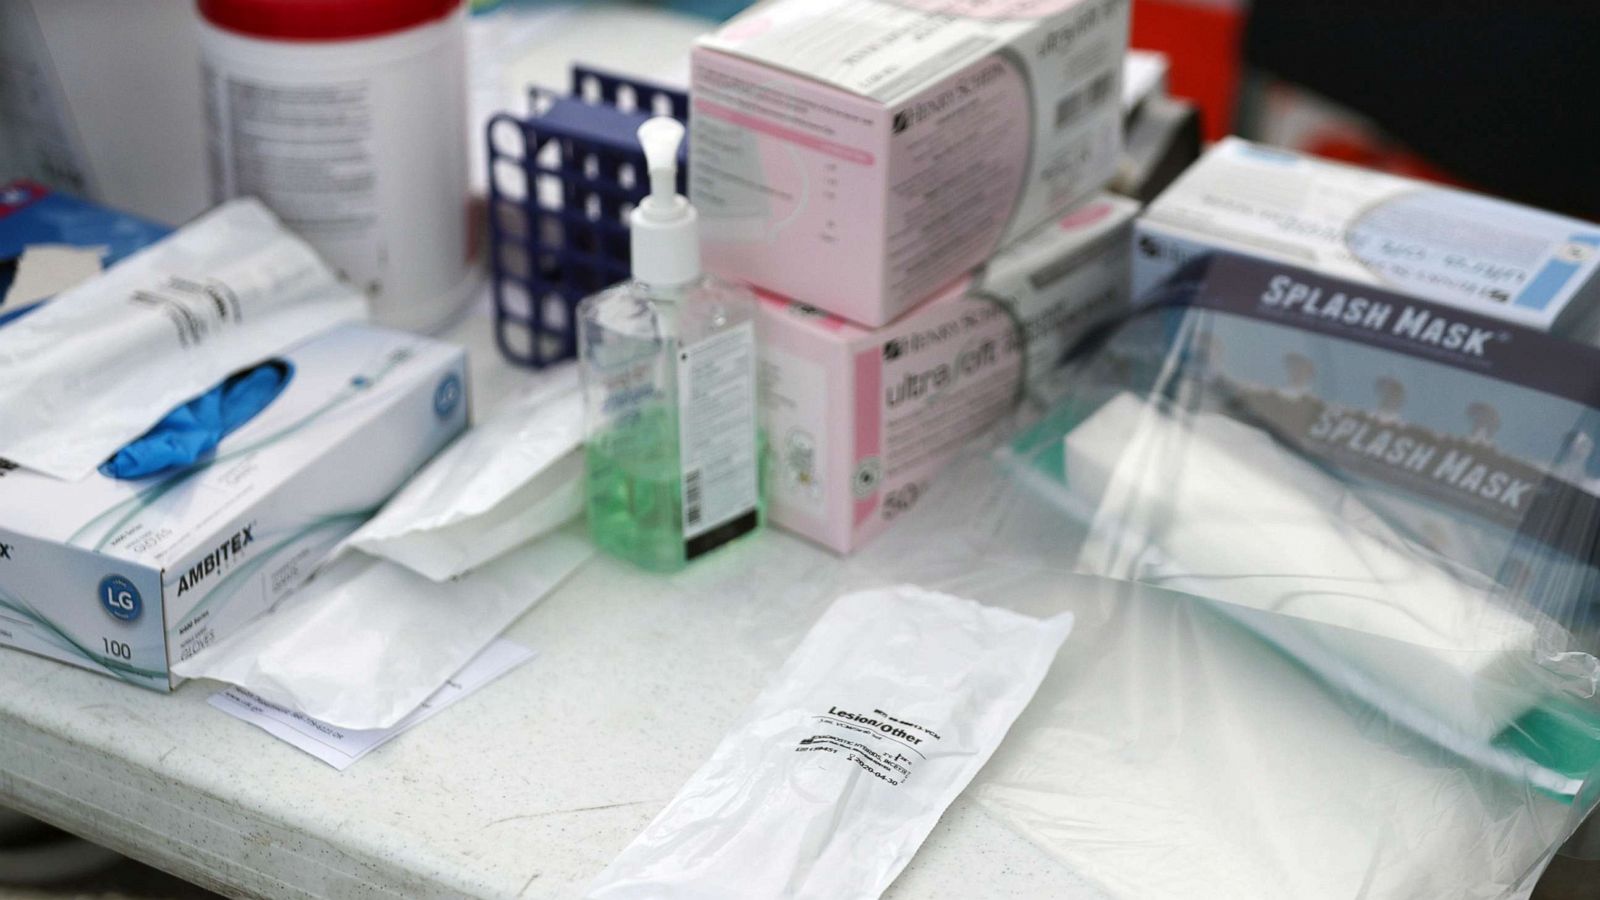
1173,752
1184,758
1317,655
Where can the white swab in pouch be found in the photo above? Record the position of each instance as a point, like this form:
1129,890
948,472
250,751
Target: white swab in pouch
842,766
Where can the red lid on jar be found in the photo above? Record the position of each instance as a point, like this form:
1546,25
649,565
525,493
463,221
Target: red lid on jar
322,20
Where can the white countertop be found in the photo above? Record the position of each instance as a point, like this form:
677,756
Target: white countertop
525,789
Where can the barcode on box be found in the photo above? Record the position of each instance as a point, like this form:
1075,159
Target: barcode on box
691,498
1078,104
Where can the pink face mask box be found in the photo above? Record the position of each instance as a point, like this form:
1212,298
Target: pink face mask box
861,155
859,421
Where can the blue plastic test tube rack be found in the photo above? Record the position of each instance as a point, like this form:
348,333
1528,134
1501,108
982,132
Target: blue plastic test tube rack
561,183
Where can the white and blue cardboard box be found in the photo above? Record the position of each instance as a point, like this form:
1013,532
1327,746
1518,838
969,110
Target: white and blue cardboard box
126,577
1475,253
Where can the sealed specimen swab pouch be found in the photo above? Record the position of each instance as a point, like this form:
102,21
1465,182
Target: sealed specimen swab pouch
509,479
1400,496
106,360
842,766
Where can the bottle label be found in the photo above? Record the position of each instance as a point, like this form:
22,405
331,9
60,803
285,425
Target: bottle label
717,438
309,150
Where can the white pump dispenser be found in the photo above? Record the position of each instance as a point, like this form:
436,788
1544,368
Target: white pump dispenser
665,227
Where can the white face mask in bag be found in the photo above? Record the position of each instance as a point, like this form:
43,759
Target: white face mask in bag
103,362
842,766
515,476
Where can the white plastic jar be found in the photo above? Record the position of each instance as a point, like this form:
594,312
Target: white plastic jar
348,119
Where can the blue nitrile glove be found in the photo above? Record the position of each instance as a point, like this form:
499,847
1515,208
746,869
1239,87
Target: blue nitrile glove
198,426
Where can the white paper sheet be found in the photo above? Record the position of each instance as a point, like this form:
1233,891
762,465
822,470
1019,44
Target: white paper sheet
341,747
45,270
1144,73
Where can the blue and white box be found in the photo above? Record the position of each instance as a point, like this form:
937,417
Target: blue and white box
126,577
1479,254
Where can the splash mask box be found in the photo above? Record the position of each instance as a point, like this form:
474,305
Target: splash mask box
1479,254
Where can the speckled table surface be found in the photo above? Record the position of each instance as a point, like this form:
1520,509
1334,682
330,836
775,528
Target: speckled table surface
525,789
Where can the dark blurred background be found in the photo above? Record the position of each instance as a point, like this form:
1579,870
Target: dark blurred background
1496,95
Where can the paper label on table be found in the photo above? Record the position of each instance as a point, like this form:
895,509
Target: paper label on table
45,270
340,747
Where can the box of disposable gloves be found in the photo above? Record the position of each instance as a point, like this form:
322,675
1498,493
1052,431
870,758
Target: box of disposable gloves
126,575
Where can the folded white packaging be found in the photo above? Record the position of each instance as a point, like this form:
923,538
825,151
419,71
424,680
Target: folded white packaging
507,480
367,641
427,583
839,770
103,362
1212,507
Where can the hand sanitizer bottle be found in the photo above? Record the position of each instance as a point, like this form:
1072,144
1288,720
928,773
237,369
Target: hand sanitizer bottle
669,382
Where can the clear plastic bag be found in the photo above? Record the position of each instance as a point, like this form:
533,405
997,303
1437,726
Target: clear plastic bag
1318,655
1175,755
